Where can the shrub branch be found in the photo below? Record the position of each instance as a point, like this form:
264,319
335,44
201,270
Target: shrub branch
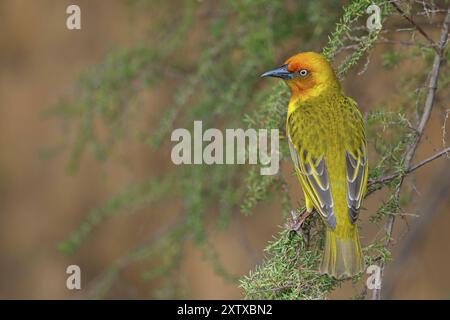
409,155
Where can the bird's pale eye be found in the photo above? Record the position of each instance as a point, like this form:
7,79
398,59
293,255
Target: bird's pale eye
303,72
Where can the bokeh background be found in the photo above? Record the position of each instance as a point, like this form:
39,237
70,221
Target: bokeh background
40,203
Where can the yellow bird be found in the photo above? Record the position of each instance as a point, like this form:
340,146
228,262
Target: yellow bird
328,147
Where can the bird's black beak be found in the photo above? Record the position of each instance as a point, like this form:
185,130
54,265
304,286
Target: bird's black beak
281,72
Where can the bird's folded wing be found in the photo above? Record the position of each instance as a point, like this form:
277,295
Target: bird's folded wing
357,168
312,172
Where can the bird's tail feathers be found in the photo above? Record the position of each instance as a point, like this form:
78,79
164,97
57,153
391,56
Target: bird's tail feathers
343,256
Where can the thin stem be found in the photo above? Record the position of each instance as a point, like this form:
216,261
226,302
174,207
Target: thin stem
419,28
391,177
434,75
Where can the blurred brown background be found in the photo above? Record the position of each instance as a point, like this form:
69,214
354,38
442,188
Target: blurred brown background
40,204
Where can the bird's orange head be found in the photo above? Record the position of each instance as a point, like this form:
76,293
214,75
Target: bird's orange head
307,74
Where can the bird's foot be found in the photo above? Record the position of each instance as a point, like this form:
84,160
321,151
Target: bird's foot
296,221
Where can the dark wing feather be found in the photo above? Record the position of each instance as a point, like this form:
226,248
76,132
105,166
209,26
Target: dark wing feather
356,165
313,176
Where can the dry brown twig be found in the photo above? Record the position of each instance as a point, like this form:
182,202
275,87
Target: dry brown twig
409,155
411,169
419,28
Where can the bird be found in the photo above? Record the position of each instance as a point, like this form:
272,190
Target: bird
326,136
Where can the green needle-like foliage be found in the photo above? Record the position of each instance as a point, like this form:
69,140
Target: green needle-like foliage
221,87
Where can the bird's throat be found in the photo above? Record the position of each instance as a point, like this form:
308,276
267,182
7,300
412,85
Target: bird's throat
302,94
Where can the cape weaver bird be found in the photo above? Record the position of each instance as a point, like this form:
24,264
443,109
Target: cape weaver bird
328,147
